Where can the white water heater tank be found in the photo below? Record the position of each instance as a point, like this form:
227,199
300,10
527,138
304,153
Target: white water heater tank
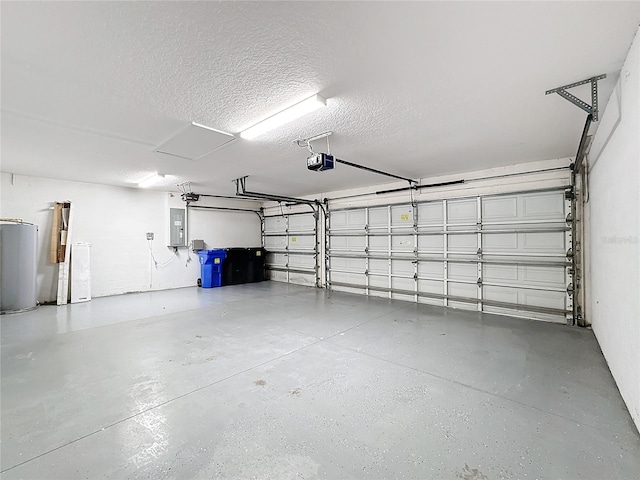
18,267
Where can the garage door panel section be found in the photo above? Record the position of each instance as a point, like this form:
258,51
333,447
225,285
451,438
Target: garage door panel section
356,279
432,287
291,244
500,253
376,265
552,243
378,218
301,278
304,262
531,207
349,244
403,268
462,290
402,218
402,243
350,220
279,259
524,297
463,271
275,243
430,243
521,313
275,224
525,276
302,223
430,216
302,242
463,243
431,269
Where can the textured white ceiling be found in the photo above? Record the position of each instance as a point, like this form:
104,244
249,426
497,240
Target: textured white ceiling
89,89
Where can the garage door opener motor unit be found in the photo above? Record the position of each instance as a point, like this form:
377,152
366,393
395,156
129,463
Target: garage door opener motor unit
320,162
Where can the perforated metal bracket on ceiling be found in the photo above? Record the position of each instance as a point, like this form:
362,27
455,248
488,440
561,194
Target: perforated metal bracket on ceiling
590,109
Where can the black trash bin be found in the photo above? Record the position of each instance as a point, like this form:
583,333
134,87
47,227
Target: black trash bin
255,271
236,266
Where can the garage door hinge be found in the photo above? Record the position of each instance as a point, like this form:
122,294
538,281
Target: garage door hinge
570,289
479,282
569,219
569,194
570,253
479,251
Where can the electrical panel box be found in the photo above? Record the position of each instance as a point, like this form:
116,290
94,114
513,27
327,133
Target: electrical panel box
177,227
197,245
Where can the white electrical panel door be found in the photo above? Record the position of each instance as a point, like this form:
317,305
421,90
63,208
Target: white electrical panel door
177,227
80,272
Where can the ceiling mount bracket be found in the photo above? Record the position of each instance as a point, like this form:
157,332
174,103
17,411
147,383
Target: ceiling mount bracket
590,109
304,142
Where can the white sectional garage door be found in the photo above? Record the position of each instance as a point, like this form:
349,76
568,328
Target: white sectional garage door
503,254
291,244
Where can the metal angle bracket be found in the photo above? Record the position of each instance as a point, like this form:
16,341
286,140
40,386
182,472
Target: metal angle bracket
591,109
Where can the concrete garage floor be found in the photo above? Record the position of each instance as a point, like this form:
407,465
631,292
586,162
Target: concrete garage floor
277,381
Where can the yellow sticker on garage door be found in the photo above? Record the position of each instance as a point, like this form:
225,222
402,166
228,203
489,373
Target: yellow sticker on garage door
404,217
294,239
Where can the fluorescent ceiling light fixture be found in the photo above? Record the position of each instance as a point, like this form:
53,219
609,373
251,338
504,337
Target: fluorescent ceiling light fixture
152,180
285,116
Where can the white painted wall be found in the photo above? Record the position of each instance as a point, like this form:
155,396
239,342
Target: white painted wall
115,220
614,245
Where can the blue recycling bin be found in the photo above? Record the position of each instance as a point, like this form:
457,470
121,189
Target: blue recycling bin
211,267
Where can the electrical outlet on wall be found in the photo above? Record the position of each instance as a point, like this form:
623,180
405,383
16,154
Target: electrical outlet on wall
150,236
